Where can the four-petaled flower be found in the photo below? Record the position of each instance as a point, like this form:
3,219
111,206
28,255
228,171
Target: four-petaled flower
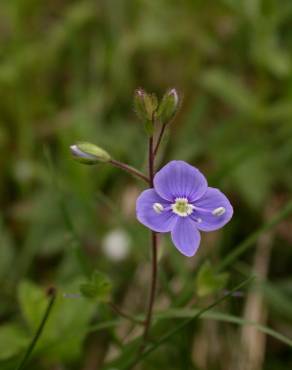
182,203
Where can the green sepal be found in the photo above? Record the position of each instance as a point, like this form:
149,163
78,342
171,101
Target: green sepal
145,105
98,287
168,106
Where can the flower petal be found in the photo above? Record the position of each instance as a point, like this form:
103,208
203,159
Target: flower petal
179,179
211,200
160,222
186,236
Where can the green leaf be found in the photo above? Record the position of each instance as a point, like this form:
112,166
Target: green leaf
13,340
208,281
64,316
98,288
33,303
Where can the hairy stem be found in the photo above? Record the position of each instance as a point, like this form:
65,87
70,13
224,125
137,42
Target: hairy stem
52,295
151,161
154,257
130,169
160,136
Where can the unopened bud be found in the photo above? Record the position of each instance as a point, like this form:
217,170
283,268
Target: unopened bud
145,105
168,106
88,153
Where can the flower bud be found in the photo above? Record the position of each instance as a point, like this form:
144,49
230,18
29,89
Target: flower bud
145,105
88,153
168,106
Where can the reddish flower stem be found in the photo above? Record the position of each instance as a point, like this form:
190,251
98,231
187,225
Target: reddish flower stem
154,256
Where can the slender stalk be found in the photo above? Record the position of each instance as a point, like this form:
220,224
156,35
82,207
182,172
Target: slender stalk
130,169
154,257
52,295
161,133
153,287
119,312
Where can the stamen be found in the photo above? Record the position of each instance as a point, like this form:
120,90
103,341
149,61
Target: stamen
219,211
158,207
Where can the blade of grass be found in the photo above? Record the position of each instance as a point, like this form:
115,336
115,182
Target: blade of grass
210,315
30,348
220,316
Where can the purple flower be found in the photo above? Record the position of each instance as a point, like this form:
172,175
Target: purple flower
182,203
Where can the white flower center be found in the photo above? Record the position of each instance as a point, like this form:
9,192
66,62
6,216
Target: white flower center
182,207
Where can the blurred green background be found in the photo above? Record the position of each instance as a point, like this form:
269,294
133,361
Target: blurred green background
68,72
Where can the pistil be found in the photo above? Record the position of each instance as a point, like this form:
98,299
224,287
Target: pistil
182,207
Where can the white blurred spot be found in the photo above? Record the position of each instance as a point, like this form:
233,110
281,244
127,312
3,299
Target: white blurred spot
116,244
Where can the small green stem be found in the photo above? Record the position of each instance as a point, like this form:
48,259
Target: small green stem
161,133
52,295
130,169
151,161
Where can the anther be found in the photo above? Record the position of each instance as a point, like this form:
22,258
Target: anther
219,211
158,207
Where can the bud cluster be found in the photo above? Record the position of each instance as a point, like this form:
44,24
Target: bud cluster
150,110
